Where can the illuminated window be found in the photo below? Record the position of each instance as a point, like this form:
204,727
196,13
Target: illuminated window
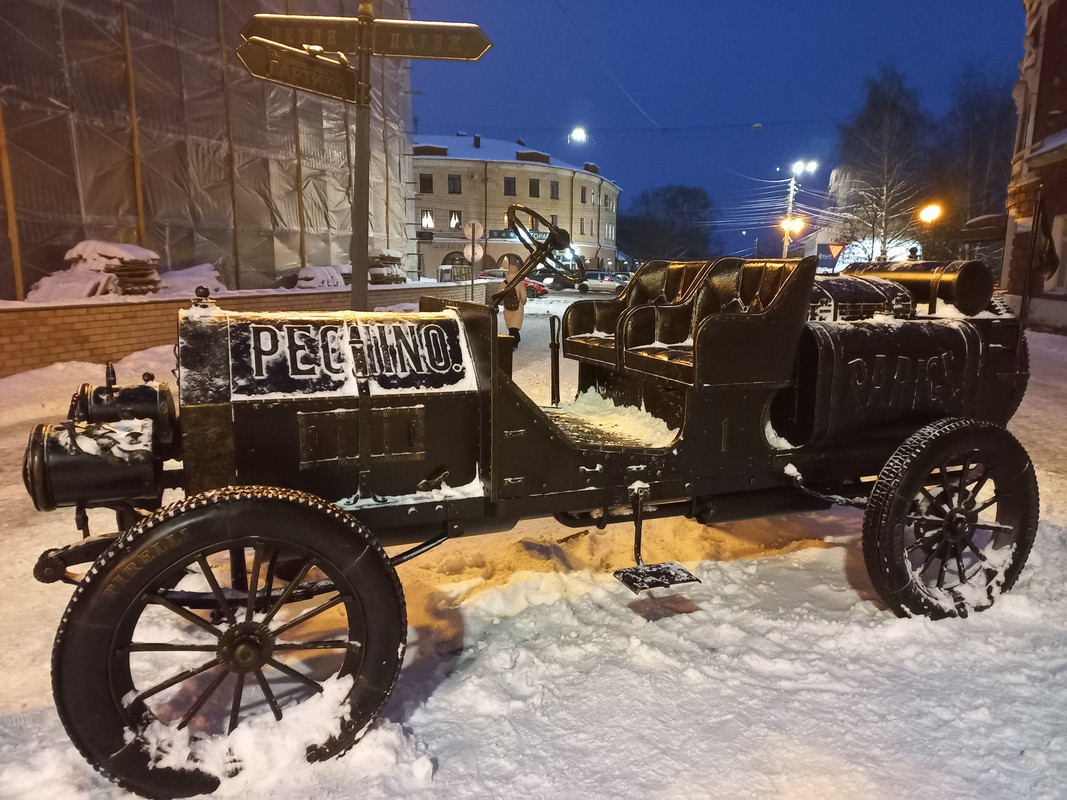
535,187
553,190
509,187
426,182
427,219
455,219
455,184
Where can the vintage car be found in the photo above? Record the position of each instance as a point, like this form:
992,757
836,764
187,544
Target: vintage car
307,441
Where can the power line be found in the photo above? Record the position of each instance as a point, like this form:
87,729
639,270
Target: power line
584,35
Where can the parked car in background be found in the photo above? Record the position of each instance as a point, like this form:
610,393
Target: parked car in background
556,280
604,281
533,288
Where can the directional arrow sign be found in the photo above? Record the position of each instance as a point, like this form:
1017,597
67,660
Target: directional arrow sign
448,41
298,68
398,38
335,34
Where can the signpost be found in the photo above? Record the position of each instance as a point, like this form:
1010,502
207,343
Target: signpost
309,53
301,69
393,38
473,252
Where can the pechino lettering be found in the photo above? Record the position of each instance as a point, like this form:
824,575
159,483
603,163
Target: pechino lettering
397,348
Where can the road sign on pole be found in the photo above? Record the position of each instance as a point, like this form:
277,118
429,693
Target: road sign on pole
308,53
298,68
395,38
449,41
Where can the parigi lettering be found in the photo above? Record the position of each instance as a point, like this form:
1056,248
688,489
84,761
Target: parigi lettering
903,383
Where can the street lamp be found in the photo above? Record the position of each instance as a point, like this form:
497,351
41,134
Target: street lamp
789,224
577,136
930,213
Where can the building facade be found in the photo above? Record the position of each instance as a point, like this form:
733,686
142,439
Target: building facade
137,123
1040,159
459,179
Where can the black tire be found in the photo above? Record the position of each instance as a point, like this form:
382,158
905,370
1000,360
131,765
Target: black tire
531,293
958,498
329,615
583,288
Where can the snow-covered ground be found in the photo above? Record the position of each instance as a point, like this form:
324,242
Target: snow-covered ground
531,671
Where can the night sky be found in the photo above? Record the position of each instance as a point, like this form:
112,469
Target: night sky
670,92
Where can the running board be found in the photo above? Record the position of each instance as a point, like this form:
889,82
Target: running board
654,576
649,576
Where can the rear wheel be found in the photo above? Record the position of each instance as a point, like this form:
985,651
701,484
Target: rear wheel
248,606
951,519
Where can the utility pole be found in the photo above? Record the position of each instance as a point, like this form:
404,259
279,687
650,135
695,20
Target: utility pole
789,215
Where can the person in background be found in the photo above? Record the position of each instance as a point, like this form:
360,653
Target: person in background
514,303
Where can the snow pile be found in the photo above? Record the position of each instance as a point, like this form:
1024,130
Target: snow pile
631,423
185,281
72,284
319,278
98,268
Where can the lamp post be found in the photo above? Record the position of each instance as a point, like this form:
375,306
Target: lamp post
788,223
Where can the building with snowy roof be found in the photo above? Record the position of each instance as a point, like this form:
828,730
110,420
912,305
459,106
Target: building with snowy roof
461,178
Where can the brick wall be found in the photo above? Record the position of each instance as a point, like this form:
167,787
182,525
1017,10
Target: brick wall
35,335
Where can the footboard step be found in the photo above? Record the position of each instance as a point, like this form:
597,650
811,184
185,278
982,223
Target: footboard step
654,576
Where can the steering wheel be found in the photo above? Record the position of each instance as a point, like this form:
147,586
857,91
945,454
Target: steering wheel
557,239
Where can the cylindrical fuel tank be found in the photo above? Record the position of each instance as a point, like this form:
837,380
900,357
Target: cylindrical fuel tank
92,463
855,377
150,400
851,297
968,285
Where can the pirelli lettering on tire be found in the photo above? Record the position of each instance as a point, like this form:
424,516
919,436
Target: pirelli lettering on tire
134,564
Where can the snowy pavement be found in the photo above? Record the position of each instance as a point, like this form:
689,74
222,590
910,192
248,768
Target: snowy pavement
531,671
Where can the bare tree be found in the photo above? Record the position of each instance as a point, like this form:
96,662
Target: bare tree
971,159
875,190
669,222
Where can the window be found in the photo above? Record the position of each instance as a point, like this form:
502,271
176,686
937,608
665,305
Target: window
535,187
426,182
553,190
583,196
555,217
609,231
427,218
534,224
509,187
455,220
455,184
581,223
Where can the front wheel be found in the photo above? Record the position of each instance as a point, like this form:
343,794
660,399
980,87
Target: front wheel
951,519
244,607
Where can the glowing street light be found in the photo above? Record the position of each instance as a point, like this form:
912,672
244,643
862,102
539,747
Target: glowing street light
930,213
792,225
578,136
